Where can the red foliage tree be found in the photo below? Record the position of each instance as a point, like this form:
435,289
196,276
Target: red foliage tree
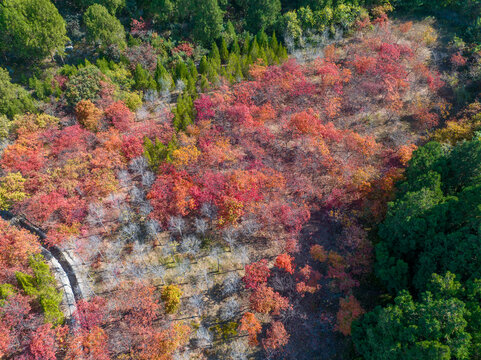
132,146
425,119
26,155
458,59
256,274
16,323
171,194
277,337
120,116
204,108
307,280
43,344
285,261
5,339
90,313
88,344
185,47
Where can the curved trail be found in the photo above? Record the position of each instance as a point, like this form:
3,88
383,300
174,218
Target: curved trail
60,265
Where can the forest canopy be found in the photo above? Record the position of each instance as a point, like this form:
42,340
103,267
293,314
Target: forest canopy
240,179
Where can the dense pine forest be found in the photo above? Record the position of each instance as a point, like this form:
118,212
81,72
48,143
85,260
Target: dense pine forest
240,179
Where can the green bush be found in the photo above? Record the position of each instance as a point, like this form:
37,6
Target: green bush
5,126
133,100
14,99
84,85
43,287
117,73
226,330
44,88
6,290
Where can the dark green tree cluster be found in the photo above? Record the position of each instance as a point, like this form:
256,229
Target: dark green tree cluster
113,6
104,29
31,29
463,15
432,228
444,324
42,286
205,19
434,225
14,99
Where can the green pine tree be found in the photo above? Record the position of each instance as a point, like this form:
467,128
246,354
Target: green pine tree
162,77
192,69
254,50
181,71
204,65
183,112
246,45
204,83
156,153
236,48
238,71
282,53
224,53
273,42
215,56
190,88
142,79
262,38
212,74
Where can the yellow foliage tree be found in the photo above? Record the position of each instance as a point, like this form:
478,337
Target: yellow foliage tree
171,298
12,190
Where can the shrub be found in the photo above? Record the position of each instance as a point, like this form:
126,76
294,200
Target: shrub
133,100
30,123
85,85
171,297
12,190
120,116
42,286
88,115
14,99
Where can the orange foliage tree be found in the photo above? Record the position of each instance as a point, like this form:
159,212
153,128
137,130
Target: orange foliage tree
349,310
253,327
16,246
88,114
